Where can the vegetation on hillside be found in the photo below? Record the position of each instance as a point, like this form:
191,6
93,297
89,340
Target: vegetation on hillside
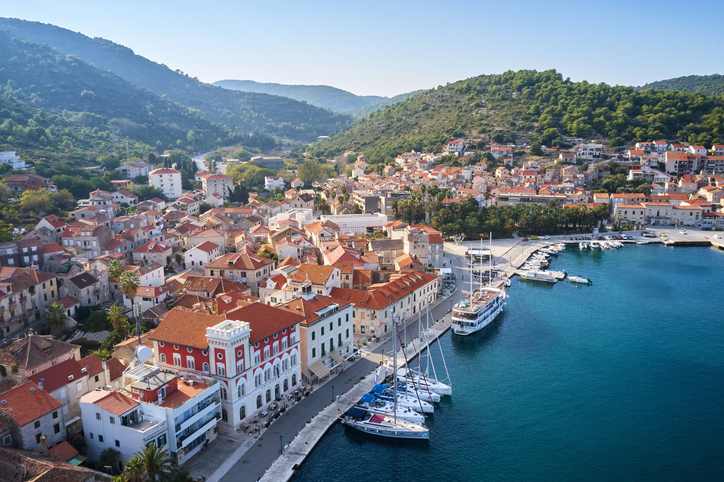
533,105
241,110
323,96
695,84
368,109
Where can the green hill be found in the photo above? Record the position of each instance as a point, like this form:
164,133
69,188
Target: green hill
696,84
323,96
247,111
52,100
533,105
368,109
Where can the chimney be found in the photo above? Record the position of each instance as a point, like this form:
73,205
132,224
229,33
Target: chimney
44,445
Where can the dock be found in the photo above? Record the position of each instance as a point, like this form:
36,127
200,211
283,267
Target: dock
298,450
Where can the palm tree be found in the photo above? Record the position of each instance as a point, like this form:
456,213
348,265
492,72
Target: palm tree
55,317
156,463
134,469
118,319
115,269
130,282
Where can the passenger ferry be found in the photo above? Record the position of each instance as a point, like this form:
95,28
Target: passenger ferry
477,310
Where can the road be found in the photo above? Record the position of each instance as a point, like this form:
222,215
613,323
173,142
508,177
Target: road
254,463
200,161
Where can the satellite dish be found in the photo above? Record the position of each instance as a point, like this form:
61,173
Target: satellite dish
144,353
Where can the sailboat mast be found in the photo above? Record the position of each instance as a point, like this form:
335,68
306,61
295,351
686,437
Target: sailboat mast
394,371
481,263
490,275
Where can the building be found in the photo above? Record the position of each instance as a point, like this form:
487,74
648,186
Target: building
9,157
35,417
270,182
25,294
158,406
455,147
167,180
686,215
326,332
217,184
505,151
356,223
135,169
253,351
626,213
57,465
378,307
87,289
153,252
202,254
87,240
245,266
271,163
19,183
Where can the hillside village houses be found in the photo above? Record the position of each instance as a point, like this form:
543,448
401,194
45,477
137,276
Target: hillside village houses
248,302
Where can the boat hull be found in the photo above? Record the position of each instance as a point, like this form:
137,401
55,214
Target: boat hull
387,432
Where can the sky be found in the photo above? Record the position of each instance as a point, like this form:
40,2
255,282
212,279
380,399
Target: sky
392,47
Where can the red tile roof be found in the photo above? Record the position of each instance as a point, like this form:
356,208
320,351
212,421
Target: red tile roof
56,376
246,258
265,320
27,402
114,402
63,452
152,247
206,246
307,308
187,328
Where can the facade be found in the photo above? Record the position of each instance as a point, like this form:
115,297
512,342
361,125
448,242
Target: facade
356,223
217,184
153,252
35,417
270,182
135,169
25,294
686,215
9,157
19,183
167,180
202,254
245,266
629,213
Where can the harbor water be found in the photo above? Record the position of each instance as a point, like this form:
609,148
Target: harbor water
620,380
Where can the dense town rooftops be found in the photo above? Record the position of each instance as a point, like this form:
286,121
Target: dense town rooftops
27,402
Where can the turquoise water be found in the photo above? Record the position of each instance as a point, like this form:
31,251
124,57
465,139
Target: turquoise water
621,380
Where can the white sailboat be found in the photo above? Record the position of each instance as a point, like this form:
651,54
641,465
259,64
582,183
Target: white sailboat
383,425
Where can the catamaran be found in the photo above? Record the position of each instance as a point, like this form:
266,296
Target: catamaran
481,307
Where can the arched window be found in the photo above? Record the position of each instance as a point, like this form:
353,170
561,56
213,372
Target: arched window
163,358
294,380
277,393
206,367
286,384
241,390
258,401
224,416
242,413
268,396
223,393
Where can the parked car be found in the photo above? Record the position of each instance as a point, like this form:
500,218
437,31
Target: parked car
524,239
546,237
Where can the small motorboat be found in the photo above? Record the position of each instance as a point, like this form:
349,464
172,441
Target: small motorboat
580,280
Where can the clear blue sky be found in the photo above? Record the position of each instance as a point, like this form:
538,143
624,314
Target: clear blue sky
390,47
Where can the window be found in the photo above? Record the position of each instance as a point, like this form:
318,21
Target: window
56,428
266,352
294,379
220,355
276,348
267,374
331,344
241,390
242,413
314,336
238,353
322,332
220,369
91,435
339,321
294,359
163,358
206,367
331,326
323,350
97,379
258,402
347,332
98,416
161,344
7,441
55,414
176,359
257,379
257,357
161,441
239,367
175,347
118,444
100,438
190,363
223,393
37,437
284,343
314,353
113,420
339,339
268,396
190,350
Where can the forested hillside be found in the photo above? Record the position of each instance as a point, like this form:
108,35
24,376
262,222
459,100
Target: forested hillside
243,110
368,109
535,105
696,84
323,96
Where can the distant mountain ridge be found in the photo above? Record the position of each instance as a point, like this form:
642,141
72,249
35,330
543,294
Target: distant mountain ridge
695,84
246,111
324,96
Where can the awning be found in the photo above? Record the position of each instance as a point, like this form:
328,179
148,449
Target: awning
319,369
337,357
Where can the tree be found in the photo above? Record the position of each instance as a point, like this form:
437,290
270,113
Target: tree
118,320
148,192
5,192
63,200
536,149
157,465
108,458
130,282
55,317
37,200
309,171
6,231
115,269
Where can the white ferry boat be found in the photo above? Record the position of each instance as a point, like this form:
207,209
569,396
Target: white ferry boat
536,275
477,311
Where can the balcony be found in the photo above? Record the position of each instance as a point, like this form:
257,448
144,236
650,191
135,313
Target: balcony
208,408
196,433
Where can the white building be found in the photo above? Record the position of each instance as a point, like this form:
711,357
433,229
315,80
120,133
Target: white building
9,157
202,254
135,169
270,182
217,184
300,216
356,223
167,180
157,406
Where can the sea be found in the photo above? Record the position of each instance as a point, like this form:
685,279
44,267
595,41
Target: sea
620,380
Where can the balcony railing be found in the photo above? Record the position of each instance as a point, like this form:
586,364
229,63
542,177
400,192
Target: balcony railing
205,410
196,433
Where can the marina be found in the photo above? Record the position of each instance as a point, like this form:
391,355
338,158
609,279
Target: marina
533,385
